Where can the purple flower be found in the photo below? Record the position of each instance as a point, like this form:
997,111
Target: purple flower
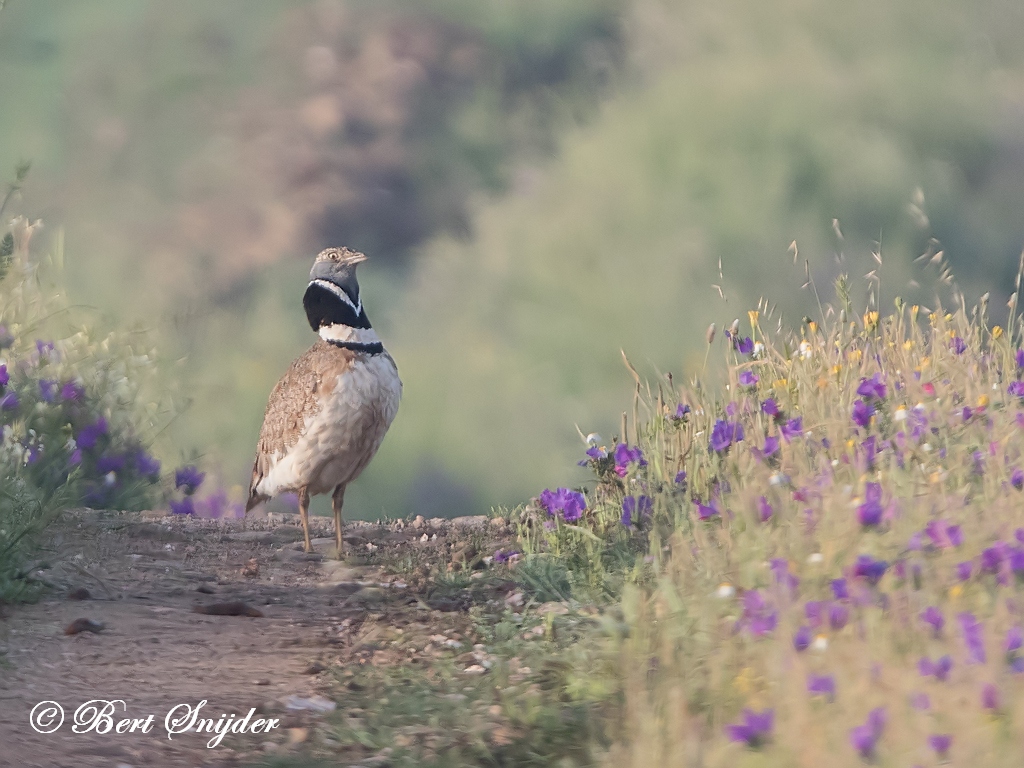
72,391
1014,639
105,464
822,685
920,701
680,477
624,456
973,633
839,589
707,511
574,506
870,512
9,402
838,615
1016,389
865,737
44,347
628,508
754,729
596,453
869,569
759,618
939,669
91,433
963,570
802,638
872,388
870,446
780,570
190,478
503,556
771,446
681,410
764,509
770,407
724,434
992,558
5,377
990,697
146,465
958,345
184,507
1017,479
862,413
47,390
792,428
933,617
75,458
944,535
940,742
745,345
1020,358
813,610
748,378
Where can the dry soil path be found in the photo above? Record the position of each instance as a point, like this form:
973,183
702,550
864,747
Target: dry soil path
145,576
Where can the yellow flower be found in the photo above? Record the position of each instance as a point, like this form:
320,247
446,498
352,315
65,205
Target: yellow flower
948,318
744,681
753,314
955,591
853,355
870,319
913,312
983,401
812,325
933,317
908,344
997,332
780,383
822,382
925,362
836,369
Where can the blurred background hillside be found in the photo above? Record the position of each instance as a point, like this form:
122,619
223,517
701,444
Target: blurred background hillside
537,183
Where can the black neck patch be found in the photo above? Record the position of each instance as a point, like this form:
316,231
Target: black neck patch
325,308
372,348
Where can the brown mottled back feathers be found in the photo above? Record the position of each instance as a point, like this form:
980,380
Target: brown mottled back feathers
294,401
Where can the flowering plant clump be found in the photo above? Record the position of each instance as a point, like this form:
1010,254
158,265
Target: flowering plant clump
835,541
76,411
68,410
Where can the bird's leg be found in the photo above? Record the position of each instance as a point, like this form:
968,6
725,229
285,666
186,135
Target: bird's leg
336,501
304,514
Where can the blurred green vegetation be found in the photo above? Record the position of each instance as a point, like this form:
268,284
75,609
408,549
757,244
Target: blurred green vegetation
562,182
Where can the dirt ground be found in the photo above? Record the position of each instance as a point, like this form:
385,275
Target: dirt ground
145,574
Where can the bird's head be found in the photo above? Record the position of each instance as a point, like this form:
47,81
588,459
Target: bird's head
332,296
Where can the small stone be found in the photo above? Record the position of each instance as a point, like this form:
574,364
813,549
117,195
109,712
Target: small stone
79,594
261,681
418,522
251,569
83,625
314,669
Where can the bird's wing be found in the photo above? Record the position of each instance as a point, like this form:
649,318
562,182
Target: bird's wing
293,403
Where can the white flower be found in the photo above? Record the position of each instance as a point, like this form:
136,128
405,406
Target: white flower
725,590
820,643
758,349
110,478
901,414
816,558
593,438
805,350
